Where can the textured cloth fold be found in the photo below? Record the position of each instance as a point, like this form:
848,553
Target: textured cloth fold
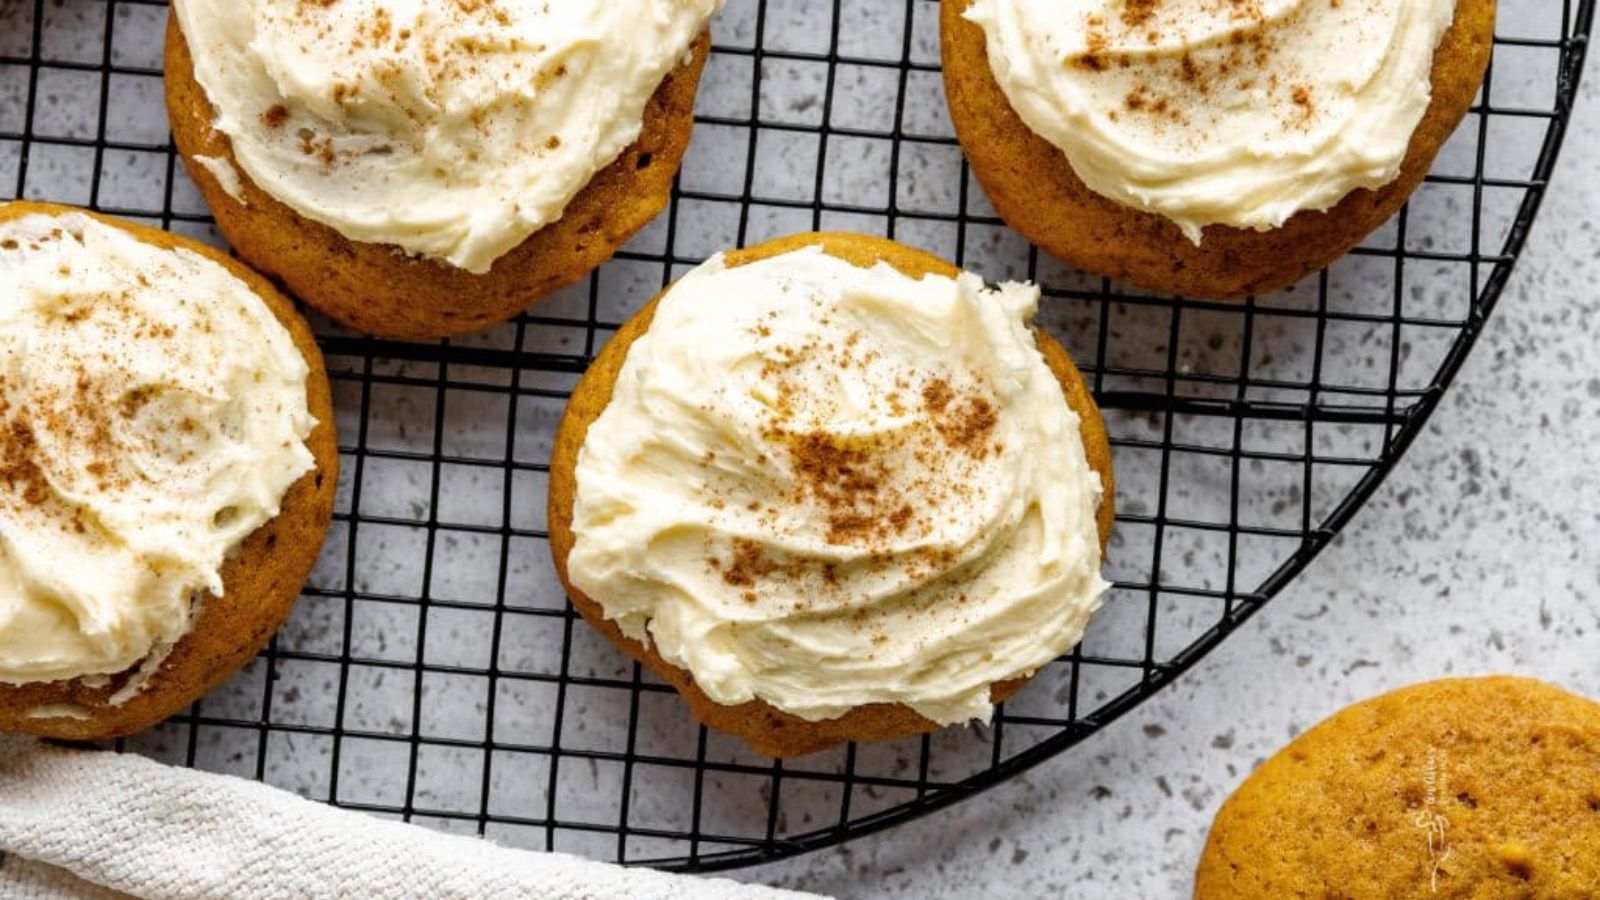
90,825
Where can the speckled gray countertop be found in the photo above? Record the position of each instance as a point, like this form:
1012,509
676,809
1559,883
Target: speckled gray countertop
1478,555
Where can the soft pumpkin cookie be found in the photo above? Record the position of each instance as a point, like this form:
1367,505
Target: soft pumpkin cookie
1207,150
167,475
1478,788
718,499
415,187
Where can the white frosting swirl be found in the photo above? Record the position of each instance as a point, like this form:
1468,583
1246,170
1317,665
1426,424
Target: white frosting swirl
828,486
152,415
453,130
1220,112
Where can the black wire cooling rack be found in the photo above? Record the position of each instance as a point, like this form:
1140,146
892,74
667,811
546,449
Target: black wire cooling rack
433,670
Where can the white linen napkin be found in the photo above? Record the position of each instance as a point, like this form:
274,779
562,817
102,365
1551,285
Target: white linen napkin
87,825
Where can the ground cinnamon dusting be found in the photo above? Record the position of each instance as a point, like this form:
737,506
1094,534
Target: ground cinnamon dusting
747,565
875,494
847,480
448,57
85,414
1095,44
1135,13
1301,95
275,115
967,425
1178,89
19,474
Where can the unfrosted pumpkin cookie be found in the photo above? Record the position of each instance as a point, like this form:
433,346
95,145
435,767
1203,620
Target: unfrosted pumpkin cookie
833,489
1214,150
1481,788
167,470
425,170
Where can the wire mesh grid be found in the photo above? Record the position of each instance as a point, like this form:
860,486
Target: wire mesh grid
433,670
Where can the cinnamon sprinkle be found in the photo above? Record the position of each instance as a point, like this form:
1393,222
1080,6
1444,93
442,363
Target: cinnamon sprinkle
877,493
747,565
275,115
18,472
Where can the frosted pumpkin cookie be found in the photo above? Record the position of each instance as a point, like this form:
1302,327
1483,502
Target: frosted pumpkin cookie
421,170
1479,788
831,488
1211,149
167,470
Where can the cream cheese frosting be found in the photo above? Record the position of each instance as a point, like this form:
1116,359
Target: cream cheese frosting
451,130
1219,112
153,414
226,175
826,486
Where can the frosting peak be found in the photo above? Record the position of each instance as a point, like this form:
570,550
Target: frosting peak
1219,112
453,130
827,486
152,415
